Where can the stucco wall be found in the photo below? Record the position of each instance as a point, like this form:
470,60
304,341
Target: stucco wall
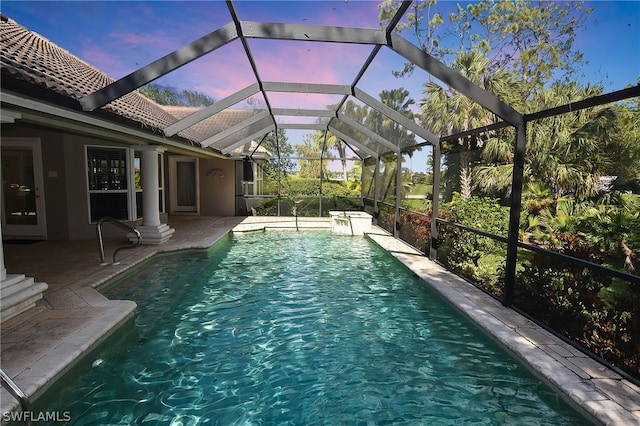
65,181
54,175
217,193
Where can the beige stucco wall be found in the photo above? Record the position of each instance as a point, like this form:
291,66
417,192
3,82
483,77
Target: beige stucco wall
65,181
217,193
54,175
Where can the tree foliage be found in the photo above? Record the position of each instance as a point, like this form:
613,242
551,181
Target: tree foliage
171,96
581,194
281,151
309,162
533,39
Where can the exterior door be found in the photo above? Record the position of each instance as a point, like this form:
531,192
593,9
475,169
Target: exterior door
183,184
22,188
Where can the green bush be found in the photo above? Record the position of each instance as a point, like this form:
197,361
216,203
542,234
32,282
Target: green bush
476,257
596,310
300,186
295,186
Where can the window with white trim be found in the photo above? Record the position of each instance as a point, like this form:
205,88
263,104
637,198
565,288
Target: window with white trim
107,182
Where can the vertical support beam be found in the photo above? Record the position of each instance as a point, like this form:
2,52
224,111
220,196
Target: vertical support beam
396,226
324,146
362,175
376,190
437,159
515,206
279,175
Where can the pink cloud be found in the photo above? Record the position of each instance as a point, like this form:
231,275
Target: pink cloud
334,13
302,100
106,60
308,62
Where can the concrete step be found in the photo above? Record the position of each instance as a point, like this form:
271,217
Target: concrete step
21,293
14,283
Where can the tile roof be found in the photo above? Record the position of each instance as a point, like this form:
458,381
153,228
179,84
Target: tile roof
27,56
214,124
219,122
248,149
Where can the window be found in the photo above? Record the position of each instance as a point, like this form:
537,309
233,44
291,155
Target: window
137,181
108,183
256,185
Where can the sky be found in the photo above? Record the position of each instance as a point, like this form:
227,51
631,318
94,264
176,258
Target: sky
119,37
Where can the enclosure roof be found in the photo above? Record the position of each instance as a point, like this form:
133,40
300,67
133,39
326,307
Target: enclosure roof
270,97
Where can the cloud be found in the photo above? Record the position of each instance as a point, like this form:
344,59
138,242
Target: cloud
334,13
302,100
308,62
104,60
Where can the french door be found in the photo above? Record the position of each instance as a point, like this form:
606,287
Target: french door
23,204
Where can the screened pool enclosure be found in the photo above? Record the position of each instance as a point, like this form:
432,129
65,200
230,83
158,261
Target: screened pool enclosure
553,232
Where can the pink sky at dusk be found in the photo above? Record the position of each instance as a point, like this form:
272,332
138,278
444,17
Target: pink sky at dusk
119,37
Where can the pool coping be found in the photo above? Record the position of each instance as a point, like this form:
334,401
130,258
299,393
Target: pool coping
599,392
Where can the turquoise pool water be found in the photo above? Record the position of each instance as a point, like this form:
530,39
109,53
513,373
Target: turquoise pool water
297,328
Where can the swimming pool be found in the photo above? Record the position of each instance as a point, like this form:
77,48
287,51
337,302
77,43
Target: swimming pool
297,328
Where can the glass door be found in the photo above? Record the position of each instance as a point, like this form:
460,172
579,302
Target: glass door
22,188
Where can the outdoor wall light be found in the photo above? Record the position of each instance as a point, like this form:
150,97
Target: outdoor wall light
216,173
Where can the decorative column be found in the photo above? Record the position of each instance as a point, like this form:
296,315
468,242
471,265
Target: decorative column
17,292
152,231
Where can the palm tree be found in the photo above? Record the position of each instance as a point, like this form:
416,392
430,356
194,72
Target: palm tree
332,141
566,153
447,112
399,101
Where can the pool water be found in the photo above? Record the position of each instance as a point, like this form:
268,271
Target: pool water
297,328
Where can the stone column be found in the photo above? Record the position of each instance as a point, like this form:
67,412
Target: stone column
152,231
17,292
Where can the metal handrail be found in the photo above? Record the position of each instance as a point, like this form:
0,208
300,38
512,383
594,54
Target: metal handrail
122,226
17,393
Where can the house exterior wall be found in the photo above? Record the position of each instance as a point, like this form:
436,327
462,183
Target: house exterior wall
80,227
217,193
54,175
65,180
